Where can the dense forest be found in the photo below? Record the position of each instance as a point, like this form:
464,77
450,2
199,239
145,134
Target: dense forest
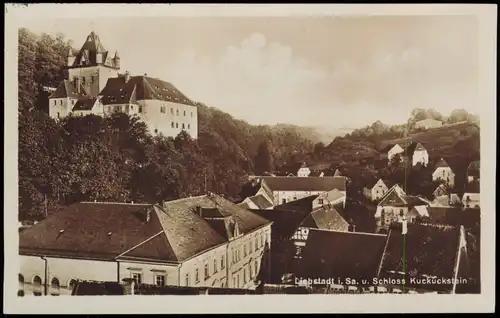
115,159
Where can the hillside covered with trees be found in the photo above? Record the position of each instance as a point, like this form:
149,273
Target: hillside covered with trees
115,159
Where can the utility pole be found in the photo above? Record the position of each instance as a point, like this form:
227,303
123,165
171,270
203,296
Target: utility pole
45,205
205,175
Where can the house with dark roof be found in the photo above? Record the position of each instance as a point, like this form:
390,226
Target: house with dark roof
416,154
377,190
443,172
473,171
471,196
410,258
196,241
93,77
286,189
396,205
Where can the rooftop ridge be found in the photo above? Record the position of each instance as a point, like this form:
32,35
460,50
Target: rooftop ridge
359,233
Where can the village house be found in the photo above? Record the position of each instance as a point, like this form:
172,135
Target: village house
473,171
390,151
397,206
303,171
197,241
291,224
443,196
256,202
443,172
285,189
471,196
378,190
416,154
94,86
428,123
377,266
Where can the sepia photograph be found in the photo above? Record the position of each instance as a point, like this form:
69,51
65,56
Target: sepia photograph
199,151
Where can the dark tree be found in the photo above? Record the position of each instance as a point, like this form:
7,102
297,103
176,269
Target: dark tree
263,160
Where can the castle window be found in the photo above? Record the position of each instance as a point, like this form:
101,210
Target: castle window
176,125
184,113
162,109
197,276
187,279
58,115
182,126
189,126
207,274
173,124
215,266
177,112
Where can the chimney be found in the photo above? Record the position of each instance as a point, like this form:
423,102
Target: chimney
127,77
128,286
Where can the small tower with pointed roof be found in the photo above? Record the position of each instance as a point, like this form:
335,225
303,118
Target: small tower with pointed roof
116,59
71,57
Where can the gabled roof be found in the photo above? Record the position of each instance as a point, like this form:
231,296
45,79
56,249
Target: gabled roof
285,223
325,218
455,216
332,254
85,104
105,231
260,201
305,184
332,196
474,168
303,204
337,173
68,89
412,147
387,148
118,91
243,205
442,164
425,251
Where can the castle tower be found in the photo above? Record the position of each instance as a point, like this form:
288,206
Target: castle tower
117,60
93,65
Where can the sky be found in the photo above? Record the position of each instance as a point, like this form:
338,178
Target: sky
339,72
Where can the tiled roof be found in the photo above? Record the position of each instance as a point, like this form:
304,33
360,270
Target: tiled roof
260,201
91,230
442,164
303,204
85,104
285,223
305,184
326,218
106,231
474,169
454,216
68,89
426,251
243,205
87,55
117,91
331,254
332,196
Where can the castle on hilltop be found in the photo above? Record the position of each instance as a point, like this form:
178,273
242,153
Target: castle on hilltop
95,86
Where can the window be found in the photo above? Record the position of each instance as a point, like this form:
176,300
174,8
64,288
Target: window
189,126
244,275
140,109
320,201
207,274
20,290
156,131
294,198
184,113
235,285
401,213
83,80
177,112
58,115
162,109
183,126
222,262
160,280
54,287
191,114
187,280
197,276
176,125
173,125
55,102
37,286
256,268
61,102
131,107
72,102
283,201
137,277
71,284
215,266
